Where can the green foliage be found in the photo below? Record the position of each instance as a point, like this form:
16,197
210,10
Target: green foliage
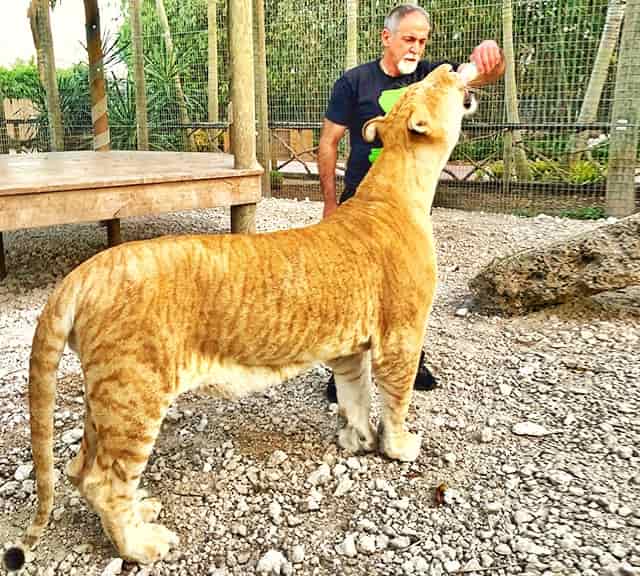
478,148
496,168
586,172
546,171
277,179
583,172
524,212
188,24
122,114
21,81
587,213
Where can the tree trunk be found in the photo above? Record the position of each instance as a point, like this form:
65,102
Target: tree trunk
589,109
262,98
351,59
243,131
189,143
607,258
142,126
98,93
41,30
97,83
513,152
625,118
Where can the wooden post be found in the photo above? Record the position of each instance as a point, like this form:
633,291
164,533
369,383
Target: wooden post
4,133
3,266
243,127
351,59
513,151
142,126
212,76
625,118
264,156
98,92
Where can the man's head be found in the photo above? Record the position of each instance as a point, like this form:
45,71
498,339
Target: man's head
404,37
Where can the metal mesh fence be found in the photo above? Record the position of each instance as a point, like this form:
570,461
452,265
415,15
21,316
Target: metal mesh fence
552,156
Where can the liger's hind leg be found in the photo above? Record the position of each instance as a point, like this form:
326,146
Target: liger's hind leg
78,465
395,371
353,387
124,440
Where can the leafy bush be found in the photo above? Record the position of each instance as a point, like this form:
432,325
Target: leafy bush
545,171
497,169
587,213
20,81
277,179
583,172
586,172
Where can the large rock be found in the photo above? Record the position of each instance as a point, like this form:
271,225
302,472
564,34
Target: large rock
607,258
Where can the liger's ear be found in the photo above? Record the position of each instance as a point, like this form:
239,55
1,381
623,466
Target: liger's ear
370,128
420,120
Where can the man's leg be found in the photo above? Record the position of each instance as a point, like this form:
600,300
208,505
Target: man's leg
425,380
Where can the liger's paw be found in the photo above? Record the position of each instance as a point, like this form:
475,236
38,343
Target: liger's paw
356,441
147,543
404,446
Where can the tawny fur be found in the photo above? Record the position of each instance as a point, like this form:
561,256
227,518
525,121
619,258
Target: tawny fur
232,314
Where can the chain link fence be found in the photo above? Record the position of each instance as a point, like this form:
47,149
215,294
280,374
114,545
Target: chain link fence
543,147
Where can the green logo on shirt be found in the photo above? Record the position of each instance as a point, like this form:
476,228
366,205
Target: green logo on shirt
386,100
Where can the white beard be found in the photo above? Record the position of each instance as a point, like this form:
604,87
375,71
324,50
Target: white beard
407,66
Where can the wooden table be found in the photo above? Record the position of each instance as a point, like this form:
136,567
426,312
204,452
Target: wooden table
71,187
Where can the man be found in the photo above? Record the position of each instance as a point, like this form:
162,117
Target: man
370,90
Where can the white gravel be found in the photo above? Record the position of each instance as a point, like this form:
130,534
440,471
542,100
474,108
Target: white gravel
535,430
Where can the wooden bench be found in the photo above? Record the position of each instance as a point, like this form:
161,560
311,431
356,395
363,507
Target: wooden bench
72,187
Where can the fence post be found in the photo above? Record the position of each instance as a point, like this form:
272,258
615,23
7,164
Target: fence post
138,63
212,62
4,132
262,97
243,126
513,152
351,59
625,118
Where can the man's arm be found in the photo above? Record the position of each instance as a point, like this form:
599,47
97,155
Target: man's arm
330,137
488,59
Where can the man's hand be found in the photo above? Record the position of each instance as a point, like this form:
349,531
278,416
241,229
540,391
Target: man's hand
329,208
487,57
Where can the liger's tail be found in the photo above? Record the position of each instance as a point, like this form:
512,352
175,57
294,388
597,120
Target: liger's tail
52,332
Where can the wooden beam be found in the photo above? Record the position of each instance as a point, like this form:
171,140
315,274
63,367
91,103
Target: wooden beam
243,131
95,204
625,118
264,154
351,58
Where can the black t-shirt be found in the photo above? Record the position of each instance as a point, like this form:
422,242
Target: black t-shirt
361,94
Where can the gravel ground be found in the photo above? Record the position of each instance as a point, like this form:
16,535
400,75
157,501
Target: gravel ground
530,461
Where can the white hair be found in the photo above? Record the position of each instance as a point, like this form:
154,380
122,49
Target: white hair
392,20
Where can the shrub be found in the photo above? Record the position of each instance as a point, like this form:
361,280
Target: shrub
586,213
277,179
586,172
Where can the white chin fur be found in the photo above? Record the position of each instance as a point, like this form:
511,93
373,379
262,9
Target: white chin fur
471,109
